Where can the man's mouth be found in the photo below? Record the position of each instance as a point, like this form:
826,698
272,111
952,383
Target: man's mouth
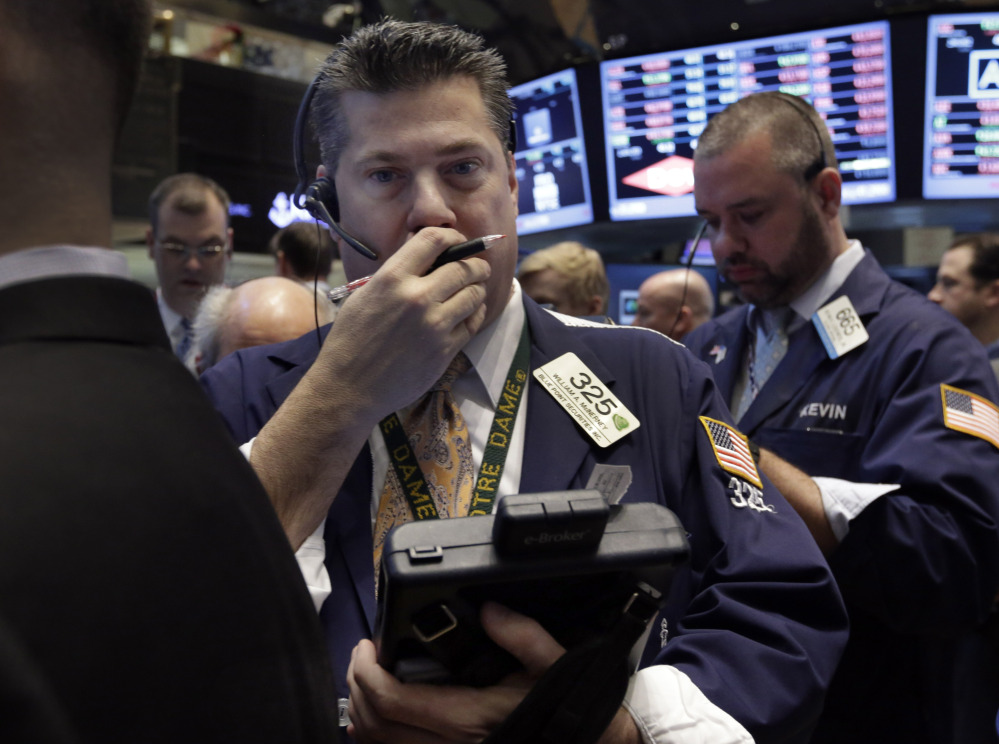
741,273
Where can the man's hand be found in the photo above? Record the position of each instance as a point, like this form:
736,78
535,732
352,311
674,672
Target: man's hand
803,495
398,333
392,339
384,710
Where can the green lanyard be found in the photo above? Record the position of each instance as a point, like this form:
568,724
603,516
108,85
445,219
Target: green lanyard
403,459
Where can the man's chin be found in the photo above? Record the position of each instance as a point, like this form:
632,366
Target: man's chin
762,296
190,290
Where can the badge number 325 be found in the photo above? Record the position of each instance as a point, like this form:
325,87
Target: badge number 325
595,395
585,397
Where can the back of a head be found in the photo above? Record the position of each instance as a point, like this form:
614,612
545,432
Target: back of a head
260,311
582,268
187,193
802,145
686,286
984,246
390,56
71,33
308,249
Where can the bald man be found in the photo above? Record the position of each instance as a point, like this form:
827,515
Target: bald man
659,303
261,311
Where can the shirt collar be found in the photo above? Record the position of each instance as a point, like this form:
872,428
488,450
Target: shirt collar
492,349
808,303
61,260
171,319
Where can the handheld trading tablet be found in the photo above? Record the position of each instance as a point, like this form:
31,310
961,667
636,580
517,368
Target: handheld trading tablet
567,559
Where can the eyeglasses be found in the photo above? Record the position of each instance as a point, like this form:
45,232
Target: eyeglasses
181,250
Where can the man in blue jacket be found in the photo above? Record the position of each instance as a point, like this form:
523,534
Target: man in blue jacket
414,125
880,408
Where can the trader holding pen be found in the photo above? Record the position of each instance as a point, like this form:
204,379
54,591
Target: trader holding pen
413,121
454,253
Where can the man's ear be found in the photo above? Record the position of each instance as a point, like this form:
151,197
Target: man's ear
596,306
511,175
829,187
990,293
683,324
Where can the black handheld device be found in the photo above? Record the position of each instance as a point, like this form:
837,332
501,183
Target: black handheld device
566,558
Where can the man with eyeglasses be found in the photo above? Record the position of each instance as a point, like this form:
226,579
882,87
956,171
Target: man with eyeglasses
879,404
190,242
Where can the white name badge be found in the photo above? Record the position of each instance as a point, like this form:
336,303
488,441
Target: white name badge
584,397
839,327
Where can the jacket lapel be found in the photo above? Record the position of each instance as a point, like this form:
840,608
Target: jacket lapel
348,526
296,358
725,351
805,353
554,447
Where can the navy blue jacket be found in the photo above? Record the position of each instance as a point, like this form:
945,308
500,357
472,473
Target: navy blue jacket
754,620
918,566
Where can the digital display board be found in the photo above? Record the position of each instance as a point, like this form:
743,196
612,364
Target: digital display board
961,141
550,155
703,256
656,106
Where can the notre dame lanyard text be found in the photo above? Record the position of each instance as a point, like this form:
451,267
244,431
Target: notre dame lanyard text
414,485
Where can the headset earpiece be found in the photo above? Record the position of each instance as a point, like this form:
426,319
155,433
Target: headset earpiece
320,196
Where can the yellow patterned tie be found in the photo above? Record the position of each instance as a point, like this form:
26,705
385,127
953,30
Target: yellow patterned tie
439,438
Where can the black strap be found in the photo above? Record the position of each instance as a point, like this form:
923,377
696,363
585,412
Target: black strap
576,699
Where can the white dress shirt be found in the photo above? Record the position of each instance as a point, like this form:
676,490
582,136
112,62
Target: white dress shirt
172,321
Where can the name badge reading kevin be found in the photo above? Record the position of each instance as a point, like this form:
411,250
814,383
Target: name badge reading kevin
839,327
586,399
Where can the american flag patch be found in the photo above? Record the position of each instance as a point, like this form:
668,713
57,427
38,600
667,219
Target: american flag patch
970,413
732,450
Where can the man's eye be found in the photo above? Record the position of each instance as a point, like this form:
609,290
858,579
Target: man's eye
383,176
466,168
750,217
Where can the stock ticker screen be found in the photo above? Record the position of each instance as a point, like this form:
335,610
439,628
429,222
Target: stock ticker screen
961,138
550,154
656,106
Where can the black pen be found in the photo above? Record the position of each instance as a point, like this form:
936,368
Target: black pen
454,253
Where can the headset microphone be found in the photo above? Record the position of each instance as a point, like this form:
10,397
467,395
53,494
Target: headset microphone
690,259
318,197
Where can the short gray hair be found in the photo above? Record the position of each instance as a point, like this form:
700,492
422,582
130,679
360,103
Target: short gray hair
391,56
795,128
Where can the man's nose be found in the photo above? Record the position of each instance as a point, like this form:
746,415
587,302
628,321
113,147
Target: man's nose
192,260
935,294
431,205
726,241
